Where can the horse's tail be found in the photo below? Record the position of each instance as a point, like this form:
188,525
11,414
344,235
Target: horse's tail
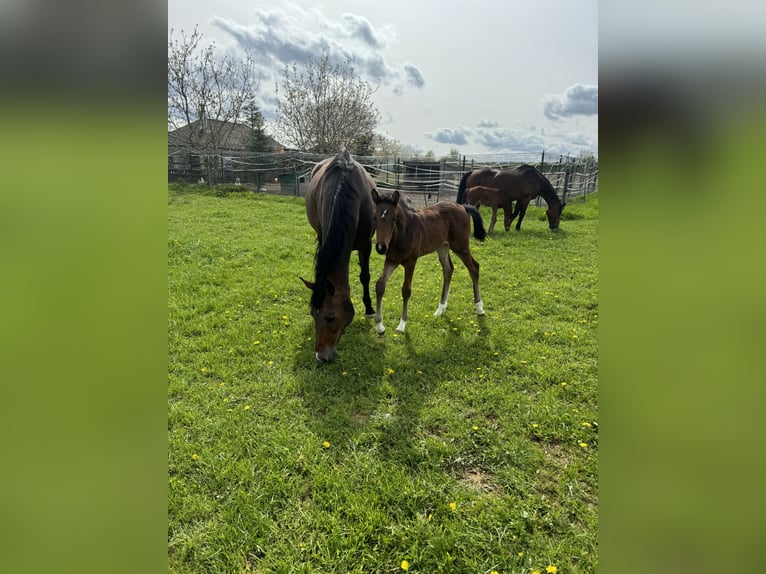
461,188
478,224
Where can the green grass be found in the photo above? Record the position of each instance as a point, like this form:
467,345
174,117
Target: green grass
487,412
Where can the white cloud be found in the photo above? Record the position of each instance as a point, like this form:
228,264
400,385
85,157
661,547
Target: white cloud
578,99
278,38
457,136
515,140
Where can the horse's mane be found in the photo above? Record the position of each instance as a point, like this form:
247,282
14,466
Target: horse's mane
546,188
342,226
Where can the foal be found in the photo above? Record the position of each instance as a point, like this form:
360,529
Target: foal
403,235
494,199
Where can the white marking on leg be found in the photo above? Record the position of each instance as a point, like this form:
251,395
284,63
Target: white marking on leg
380,328
480,308
402,325
440,309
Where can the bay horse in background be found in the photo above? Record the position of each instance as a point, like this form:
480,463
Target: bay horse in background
340,209
520,184
403,234
491,197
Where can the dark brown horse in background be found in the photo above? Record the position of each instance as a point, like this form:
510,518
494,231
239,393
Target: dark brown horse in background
403,235
520,184
340,209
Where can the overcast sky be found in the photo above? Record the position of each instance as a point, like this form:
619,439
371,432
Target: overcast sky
481,76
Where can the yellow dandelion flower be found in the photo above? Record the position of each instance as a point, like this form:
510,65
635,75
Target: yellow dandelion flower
535,572
270,363
226,399
494,572
256,342
583,444
587,424
523,362
195,456
326,444
430,517
551,569
247,407
475,427
520,554
203,369
343,373
535,425
563,384
284,317
405,565
453,506
390,371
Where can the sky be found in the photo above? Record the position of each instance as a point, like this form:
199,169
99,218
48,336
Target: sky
482,77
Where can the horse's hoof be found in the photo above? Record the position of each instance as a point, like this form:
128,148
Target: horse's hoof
480,308
439,310
402,326
379,328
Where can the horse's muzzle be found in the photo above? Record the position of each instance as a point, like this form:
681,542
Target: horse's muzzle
327,355
381,248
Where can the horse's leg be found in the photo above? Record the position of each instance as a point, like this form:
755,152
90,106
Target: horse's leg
521,207
508,215
494,218
473,269
447,269
409,269
513,215
364,277
380,288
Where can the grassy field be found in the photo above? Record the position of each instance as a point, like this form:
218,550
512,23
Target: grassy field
469,444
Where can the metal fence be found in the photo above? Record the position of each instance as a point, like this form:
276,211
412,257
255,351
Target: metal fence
425,181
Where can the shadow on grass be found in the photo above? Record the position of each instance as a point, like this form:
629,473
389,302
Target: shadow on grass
371,397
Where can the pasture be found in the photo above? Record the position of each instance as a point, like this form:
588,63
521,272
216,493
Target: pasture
466,445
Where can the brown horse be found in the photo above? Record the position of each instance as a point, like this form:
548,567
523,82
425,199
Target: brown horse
491,197
520,184
403,235
340,209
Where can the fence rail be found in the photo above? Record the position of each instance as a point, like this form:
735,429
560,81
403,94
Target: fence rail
424,181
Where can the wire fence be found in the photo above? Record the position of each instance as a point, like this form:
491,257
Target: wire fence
424,181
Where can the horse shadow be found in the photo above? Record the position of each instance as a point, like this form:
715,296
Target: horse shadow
372,396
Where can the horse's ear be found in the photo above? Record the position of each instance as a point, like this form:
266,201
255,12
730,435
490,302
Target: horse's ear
308,284
395,197
375,196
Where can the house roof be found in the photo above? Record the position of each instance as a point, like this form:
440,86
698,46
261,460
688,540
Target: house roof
238,139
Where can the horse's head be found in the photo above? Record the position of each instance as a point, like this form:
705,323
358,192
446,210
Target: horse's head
386,211
554,215
332,311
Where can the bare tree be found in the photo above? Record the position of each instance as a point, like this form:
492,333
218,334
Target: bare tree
207,95
323,106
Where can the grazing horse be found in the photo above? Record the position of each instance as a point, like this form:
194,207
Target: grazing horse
403,235
520,184
491,197
340,209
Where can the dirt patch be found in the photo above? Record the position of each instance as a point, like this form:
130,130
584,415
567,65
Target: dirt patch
480,481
